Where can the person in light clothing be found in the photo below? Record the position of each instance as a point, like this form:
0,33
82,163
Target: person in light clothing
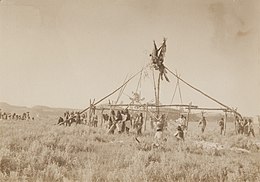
127,120
159,131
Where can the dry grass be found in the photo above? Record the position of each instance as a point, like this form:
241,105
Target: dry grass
41,151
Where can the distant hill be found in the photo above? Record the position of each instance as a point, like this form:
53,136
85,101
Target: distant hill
50,112
35,111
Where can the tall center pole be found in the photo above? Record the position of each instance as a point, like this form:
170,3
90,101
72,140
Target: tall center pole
155,90
158,96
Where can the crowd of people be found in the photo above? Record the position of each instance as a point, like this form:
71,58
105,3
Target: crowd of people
15,116
244,126
120,121
74,117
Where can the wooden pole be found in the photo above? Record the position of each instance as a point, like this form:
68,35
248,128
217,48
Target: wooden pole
155,92
89,112
146,115
121,90
113,91
188,119
225,123
209,109
153,105
158,96
102,118
203,93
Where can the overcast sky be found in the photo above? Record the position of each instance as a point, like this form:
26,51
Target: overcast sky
61,53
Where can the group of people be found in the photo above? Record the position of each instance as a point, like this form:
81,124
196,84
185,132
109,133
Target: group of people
77,118
244,126
15,116
122,121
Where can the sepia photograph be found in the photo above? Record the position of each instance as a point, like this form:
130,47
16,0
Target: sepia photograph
129,90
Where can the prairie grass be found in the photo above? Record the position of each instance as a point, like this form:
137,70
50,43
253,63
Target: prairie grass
41,151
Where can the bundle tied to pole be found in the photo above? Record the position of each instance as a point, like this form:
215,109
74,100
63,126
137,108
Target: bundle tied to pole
157,58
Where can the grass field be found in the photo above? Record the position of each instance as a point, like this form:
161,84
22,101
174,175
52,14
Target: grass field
42,151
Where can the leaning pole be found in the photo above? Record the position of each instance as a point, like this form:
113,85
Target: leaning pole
113,91
203,93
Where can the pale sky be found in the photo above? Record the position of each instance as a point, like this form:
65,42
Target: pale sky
61,53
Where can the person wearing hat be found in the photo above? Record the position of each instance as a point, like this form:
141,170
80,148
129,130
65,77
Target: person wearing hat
250,128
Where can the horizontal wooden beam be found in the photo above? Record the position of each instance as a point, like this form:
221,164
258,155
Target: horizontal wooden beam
153,105
211,109
139,110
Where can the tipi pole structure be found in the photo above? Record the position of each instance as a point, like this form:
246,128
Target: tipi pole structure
203,93
113,91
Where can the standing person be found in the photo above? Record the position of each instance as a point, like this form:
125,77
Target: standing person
119,121
250,128
67,116
238,125
123,114
112,122
111,119
95,119
151,122
77,118
127,121
245,127
241,127
159,131
139,124
221,125
164,121
203,122
181,122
